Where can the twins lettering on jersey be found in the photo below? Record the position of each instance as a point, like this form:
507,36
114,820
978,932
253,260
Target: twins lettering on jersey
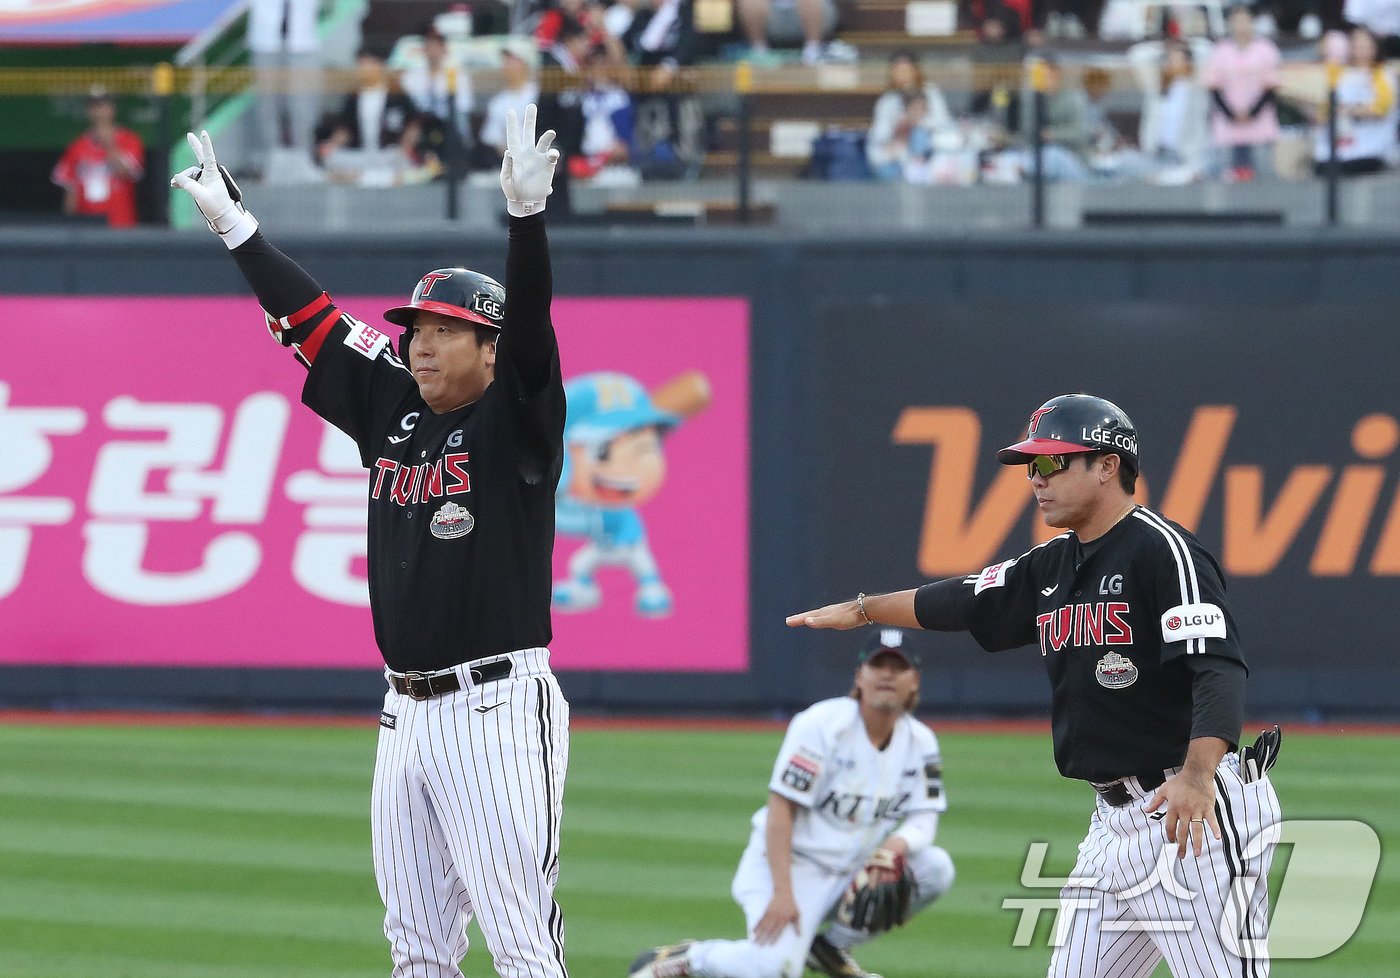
1089,625
410,484
852,807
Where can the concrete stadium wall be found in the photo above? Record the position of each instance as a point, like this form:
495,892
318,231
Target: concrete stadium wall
1241,355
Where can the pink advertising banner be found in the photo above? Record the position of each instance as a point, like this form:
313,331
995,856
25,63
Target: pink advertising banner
165,499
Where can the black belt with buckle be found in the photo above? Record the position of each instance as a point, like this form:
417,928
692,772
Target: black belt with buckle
1117,793
425,685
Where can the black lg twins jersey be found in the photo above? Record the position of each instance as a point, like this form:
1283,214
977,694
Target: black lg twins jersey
461,505
1114,620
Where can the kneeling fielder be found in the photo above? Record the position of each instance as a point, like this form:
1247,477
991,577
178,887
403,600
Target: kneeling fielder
846,839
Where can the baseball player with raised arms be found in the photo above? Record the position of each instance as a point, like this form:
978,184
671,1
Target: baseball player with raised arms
1148,681
844,849
462,433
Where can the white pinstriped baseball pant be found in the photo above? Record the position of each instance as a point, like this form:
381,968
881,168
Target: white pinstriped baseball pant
466,809
1209,920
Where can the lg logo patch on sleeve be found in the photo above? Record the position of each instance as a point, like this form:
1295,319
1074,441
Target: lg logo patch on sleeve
1187,621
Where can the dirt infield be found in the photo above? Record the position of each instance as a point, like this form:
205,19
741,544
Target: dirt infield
151,718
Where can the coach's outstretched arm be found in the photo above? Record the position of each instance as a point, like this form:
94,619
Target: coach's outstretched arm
895,608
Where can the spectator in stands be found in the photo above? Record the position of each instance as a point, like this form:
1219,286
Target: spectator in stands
417,160
1242,76
1381,18
902,124
1367,117
1004,36
518,89
374,115
1066,125
1111,154
591,14
285,52
100,169
408,160
662,36
1334,48
788,22
332,138
1173,127
608,120
441,88
1097,84
914,141
998,21
560,105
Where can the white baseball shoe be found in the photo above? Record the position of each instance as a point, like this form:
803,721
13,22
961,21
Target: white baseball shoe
668,961
837,962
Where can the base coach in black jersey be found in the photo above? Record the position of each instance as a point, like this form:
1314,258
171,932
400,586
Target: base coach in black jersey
461,430
1148,677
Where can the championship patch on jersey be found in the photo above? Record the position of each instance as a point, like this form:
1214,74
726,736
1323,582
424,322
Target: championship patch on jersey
933,778
364,339
452,521
1187,621
993,576
801,772
1115,671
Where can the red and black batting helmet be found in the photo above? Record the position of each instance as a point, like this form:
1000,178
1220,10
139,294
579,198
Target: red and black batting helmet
456,292
1073,423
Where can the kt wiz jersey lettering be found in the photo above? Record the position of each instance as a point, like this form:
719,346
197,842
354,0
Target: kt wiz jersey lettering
1114,620
461,505
851,794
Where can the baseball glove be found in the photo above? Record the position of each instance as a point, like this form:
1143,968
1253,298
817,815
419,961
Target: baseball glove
879,895
1258,758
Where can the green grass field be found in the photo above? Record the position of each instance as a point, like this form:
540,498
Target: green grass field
230,851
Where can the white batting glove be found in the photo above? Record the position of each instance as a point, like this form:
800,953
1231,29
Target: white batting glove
527,170
215,193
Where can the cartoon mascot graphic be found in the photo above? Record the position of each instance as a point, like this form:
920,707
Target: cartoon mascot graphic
614,464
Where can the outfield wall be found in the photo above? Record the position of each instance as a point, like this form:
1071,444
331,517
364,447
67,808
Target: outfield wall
856,391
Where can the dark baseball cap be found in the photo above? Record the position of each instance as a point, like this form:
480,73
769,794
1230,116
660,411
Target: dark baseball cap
889,640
